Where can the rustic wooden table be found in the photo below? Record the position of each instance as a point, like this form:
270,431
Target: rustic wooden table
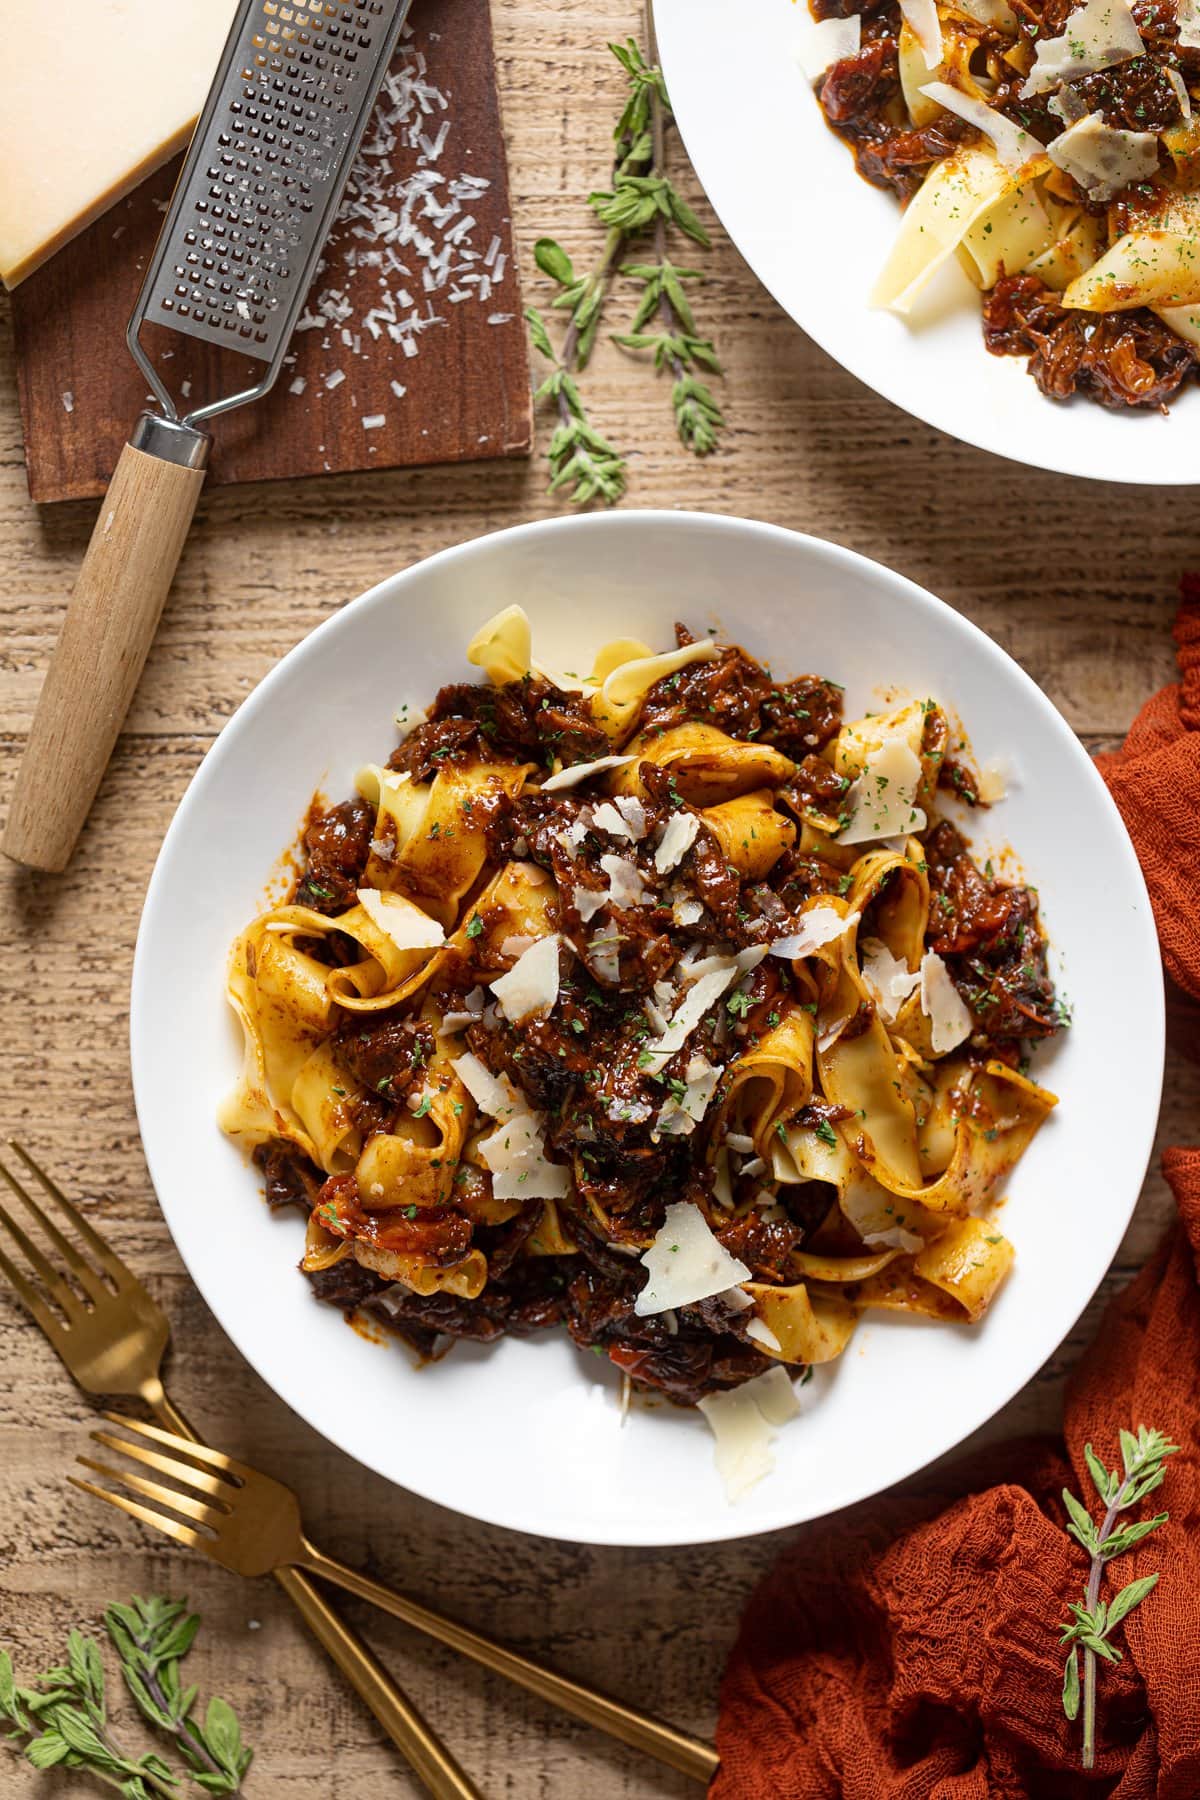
1085,604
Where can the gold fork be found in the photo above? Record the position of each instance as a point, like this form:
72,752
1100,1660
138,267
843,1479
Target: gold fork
251,1524
112,1337
280,1508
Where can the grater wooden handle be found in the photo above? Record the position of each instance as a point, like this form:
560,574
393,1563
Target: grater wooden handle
106,635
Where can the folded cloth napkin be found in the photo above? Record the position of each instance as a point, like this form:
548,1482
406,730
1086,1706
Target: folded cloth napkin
908,1650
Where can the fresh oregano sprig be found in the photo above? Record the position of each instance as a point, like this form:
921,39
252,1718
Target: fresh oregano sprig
1094,1620
676,346
580,457
641,199
62,1720
63,1723
152,1636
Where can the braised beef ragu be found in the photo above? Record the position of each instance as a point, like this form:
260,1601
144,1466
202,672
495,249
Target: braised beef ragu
336,844
1118,359
584,1066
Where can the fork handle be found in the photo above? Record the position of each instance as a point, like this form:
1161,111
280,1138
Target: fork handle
424,1751
689,1755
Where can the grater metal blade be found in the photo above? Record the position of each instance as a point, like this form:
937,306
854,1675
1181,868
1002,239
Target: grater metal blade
263,179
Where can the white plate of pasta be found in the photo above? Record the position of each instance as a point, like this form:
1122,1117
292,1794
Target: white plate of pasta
1053,167
682,1032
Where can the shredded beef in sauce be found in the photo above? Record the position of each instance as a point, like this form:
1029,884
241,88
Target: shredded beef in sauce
1118,359
583,1066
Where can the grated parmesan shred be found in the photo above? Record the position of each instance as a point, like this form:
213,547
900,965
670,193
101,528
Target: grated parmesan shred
416,234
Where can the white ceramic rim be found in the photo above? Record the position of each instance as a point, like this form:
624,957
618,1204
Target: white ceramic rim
290,1387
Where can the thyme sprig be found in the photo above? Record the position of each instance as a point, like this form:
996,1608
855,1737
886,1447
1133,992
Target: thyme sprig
1094,1620
676,346
641,200
62,1720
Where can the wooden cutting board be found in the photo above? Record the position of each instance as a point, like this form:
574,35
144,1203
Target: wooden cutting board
417,308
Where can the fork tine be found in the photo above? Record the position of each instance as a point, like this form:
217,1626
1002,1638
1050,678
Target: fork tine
183,1534
200,1479
108,1259
216,1459
31,1300
183,1503
50,1277
81,1270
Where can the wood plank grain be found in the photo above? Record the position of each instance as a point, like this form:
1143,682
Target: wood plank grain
463,392
1076,580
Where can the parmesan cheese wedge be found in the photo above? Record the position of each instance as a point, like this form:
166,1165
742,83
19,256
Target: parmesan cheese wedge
94,95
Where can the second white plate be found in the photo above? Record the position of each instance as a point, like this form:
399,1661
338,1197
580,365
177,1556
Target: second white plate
816,235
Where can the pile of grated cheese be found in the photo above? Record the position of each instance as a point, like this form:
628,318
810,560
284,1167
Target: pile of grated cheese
416,235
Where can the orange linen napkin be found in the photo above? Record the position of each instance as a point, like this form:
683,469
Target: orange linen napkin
908,1650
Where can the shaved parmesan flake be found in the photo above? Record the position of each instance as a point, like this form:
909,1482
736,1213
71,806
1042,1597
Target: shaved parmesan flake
625,885
588,901
604,953
687,912
1181,93
409,717
1068,105
942,1005
519,1169
1014,145
702,994
890,980
531,985
921,17
492,1094
607,818
679,1115
742,1420
517,945
819,925
826,41
405,924
1098,35
739,1141
1187,14
569,778
882,802
685,1263
680,834
1102,159
895,1238
995,778
762,1334
633,813
630,680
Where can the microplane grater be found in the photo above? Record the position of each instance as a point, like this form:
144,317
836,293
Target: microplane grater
257,195
263,179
